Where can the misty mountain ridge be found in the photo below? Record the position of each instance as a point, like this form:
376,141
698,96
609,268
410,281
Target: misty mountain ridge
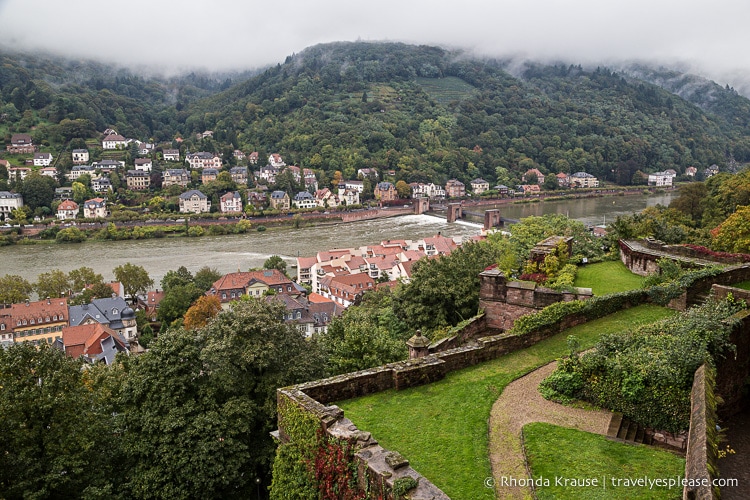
424,112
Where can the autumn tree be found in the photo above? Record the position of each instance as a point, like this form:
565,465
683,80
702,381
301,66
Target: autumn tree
202,311
733,235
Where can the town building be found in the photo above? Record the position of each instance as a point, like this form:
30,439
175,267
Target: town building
280,200
455,189
275,160
303,199
194,201
231,202
67,210
39,322
346,289
233,286
530,174
20,144
583,180
18,173
101,184
79,170
9,202
137,180
175,176
42,159
209,174
239,175
94,343
95,208
80,156
113,312
385,191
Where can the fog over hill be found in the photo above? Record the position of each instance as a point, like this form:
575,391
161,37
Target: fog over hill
692,37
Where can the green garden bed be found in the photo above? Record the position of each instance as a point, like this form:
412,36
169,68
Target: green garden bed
442,427
607,469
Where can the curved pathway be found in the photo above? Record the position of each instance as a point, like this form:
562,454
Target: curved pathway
520,404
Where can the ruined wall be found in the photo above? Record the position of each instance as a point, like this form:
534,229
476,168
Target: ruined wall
505,301
699,447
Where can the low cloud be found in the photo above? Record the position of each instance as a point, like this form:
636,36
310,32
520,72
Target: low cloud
232,35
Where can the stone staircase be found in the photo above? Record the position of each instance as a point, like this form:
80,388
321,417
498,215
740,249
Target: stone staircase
622,429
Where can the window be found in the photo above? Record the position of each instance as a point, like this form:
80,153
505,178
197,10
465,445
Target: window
2,326
223,295
31,321
115,312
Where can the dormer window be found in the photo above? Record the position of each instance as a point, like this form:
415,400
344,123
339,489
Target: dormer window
46,319
31,321
54,318
115,311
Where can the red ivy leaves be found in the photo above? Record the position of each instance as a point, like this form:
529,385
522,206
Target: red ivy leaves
333,470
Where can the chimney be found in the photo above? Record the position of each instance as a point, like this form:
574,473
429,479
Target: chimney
48,301
27,302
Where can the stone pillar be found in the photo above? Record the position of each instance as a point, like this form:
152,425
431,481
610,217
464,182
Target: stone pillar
455,211
491,219
419,345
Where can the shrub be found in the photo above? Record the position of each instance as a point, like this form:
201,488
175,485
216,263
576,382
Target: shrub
647,373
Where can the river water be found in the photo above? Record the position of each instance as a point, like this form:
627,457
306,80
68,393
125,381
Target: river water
241,252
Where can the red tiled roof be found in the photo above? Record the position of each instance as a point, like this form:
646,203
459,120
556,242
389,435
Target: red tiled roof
316,298
306,262
40,309
86,339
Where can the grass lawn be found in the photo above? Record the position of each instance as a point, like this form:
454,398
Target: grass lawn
607,277
557,452
441,428
745,285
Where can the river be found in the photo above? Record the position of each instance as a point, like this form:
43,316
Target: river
241,252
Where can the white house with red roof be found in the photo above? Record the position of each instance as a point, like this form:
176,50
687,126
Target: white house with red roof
114,141
68,209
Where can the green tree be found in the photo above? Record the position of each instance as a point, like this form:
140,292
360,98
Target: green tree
98,290
134,279
14,289
177,301
51,444
275,262
70,235
83,276
403,189
199,405
366,335
445,290
205,277
180,277
53,283
37,191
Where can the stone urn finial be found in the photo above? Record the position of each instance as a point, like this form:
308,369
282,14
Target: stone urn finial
419,345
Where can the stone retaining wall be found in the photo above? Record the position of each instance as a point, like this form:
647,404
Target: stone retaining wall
698,448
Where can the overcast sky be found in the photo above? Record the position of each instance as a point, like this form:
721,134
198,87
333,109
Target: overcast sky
710,38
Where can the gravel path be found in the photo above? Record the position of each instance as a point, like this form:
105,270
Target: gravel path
520,404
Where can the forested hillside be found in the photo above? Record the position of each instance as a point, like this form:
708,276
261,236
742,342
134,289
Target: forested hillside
427,113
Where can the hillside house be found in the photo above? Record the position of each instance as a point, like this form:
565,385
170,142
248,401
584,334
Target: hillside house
67,210
252,158
311,181
563,179
108,166
101,184
455,189
171,155
311,315
143,164
79,170
175,176
691,171
231,202
42,159
9,202
95,208
20,144
80,156
367,172
348,197
660,179
303,199
257,199
583,180
358,186
326,199
239,175
203,160
137,180
275,160
48,172
479,186
385,191
268,174
280,200
209,174
195,202
233,286
531,174
114,141
431,190
18,173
